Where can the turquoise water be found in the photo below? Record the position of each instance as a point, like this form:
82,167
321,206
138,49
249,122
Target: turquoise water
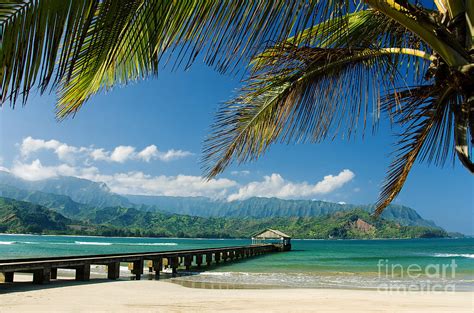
311,263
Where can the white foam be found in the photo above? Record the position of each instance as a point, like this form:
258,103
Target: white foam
7,242
60,243
454,255
223,273
299,280
93,243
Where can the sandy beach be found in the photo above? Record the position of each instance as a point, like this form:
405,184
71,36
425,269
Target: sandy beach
163,296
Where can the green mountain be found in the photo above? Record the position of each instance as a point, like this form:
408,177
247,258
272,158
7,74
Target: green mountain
270,207
79,190
348,224
24,217
74,198
59,203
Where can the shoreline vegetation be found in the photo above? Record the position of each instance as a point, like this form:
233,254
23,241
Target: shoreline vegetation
24,217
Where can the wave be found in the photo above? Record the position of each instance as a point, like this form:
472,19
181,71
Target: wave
93,243
305,280
60,243
454,255
230,273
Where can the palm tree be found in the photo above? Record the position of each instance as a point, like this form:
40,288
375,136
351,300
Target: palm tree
316,68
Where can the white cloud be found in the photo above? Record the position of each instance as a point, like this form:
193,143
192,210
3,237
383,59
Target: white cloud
64,152
30,145
276,186
130,182
120,154
179,185
37,171
240,173
99,155
172,154
148,153
78,161
136,182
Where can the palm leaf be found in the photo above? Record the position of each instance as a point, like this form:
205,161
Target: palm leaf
364,29
298,94
426,114
104,42
422,22
31,33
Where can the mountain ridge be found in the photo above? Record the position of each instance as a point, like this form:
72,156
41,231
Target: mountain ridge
261,207
73,197
24,217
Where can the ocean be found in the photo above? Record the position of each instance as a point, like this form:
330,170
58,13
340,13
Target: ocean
415,264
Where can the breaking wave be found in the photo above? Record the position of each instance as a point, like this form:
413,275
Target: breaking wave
93,243
454,255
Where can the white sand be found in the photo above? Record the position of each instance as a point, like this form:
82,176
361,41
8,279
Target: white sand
162,296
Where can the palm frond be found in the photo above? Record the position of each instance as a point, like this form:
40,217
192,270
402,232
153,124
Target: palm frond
364,29
91,40
95,66
426,114
424,24
31,35
299,94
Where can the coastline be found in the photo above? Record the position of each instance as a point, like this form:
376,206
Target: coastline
100,295
226,238
337,264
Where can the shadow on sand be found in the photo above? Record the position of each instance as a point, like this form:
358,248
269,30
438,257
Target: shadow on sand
23,282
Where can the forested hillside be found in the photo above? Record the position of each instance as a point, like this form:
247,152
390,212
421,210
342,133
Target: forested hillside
24,217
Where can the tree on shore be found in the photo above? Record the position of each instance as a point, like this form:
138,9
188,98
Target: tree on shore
316,68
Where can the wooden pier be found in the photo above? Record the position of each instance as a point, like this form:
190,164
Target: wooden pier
45,269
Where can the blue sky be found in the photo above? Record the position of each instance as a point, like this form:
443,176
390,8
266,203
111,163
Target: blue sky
147,137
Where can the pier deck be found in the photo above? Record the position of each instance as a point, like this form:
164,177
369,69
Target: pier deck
45,269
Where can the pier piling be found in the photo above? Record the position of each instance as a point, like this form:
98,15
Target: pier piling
54,273
157,267
8,277
138,268
83,272
208,259
174,263
198,260
113,270
42,276
188,259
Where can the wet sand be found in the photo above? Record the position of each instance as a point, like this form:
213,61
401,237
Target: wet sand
101,295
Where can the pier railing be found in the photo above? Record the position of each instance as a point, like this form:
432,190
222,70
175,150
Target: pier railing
45,269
